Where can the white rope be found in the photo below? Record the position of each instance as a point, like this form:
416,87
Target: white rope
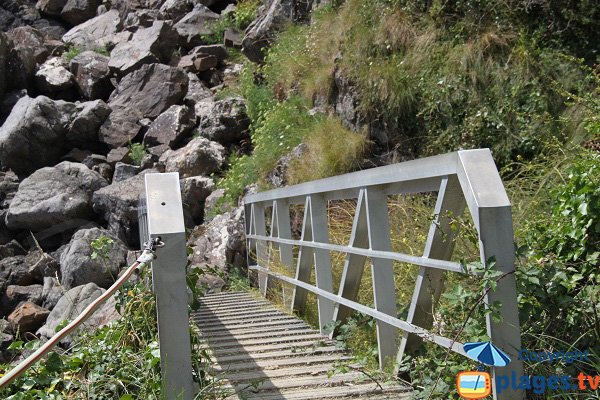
146,256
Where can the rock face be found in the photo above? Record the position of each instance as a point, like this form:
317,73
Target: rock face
194,192
147,46
33,134
278,176
76,12
91,75
26,50
55,80
52,291
118,204
84,127
171,127
16,295
90,34
223,121
199,157
72,304
144,93
78,267
53,195
195,24
28,317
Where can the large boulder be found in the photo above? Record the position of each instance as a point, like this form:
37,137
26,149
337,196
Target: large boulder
199,157
26,270
222,243
147,46
3,59
16,295
196,23
72,303
53,79
144,93
171,127
51,7
85,125
194,191
223,121
90,34
33,135
76,12
174,10
52,291
118,205
27,49
9,184
28,317
91,75
53,195
78,267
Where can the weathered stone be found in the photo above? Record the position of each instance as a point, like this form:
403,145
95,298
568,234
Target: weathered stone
51,7
222,243
91,74
52,291
194,191
52,31
76,12
144,93
72,303
171,127
3,59
28,317
53,79
196,23
278,176
197,91
26,51
217,50
26,270
199,157
147,46
140,19
78,267
16,295
120,154
11,249
175,9
8,102
9,184
213,77
124,171
212,205
83,130
223,121
197,62
53,195
232,38
118,204
90,34
33,135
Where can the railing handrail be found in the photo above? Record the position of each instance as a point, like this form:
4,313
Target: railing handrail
463,178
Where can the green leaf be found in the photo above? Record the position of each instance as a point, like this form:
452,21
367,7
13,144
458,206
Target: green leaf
54,362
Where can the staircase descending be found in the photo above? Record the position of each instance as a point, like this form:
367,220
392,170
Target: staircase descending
263,353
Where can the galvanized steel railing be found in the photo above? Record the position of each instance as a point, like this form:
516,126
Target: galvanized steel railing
464,178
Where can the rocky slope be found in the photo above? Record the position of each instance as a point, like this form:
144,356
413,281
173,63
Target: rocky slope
80,82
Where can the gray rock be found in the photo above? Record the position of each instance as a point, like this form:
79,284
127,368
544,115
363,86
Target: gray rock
83,129
76,12
171,127
174,10
55,80
91,75
213,205
52,291
26,51
28,317
197,91
52,30
197,62
118,204
26,270
144,93
53,195
33,135
91,34
196,23
124,171
8,102
3,59
223,242
72,303
16,295
199,157
120,154
51,7
147,46
140,19
223,121
11,249
232,38
278,176
78,267
194,192
9,184
217,50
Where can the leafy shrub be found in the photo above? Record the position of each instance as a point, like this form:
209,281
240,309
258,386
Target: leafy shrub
137,152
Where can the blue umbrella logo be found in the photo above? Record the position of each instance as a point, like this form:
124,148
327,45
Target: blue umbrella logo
486,353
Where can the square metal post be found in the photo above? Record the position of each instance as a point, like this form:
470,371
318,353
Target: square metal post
165,220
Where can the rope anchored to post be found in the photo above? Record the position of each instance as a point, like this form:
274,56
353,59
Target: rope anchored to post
147,256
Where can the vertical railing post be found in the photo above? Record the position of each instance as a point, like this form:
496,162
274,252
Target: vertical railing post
165,220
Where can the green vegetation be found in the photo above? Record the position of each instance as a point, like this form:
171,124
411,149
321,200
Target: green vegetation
72,53
240,19
137,152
